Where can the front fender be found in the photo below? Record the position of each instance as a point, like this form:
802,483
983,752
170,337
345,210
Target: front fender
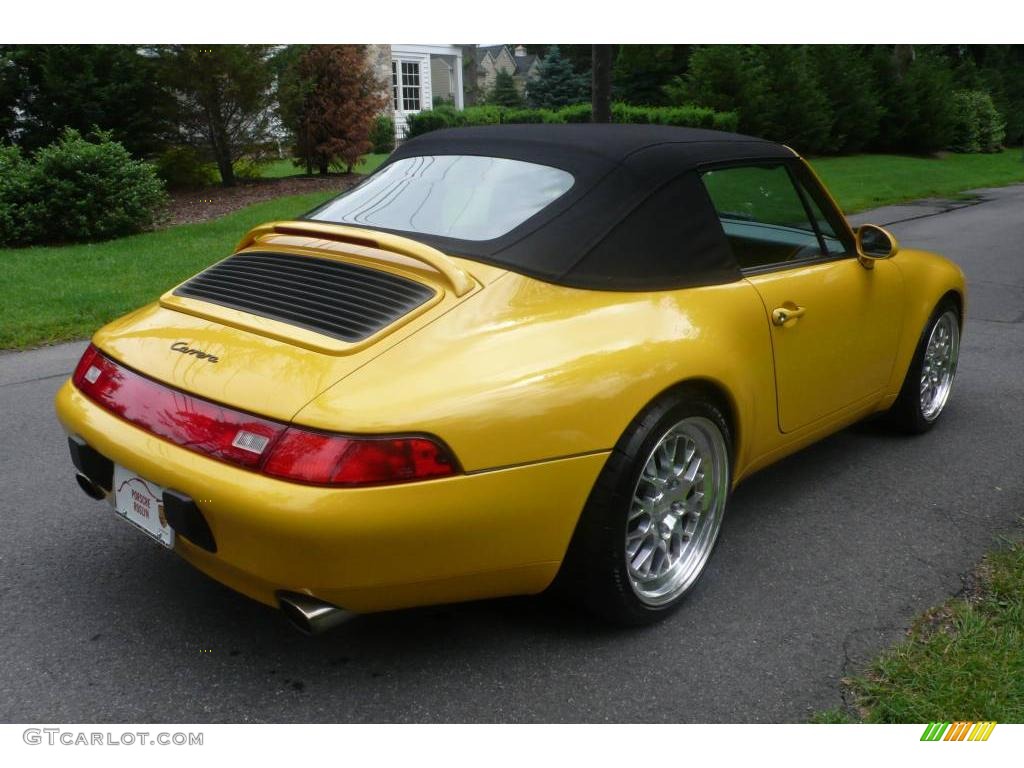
927,278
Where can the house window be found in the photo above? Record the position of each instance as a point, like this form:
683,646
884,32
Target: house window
394,83
410,86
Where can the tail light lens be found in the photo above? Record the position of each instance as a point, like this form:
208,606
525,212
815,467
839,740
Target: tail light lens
276,449
312,457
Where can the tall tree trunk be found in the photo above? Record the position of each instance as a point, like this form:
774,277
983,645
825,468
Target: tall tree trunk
222,154
227,170
903,55
601,83
307,148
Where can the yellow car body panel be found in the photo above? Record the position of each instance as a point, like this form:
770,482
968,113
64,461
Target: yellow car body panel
531,385
473,535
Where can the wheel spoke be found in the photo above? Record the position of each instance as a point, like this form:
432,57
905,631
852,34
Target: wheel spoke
682,488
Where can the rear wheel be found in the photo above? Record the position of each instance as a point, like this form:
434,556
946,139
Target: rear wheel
654,514
929,379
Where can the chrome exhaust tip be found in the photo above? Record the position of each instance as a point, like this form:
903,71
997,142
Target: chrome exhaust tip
309,615
92,490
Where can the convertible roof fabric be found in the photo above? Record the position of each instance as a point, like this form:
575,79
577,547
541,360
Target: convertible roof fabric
636,218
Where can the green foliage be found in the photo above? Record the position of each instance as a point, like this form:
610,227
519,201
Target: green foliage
977,125
223,95
557,85
728,78
504,93
447,117
641,72
113,87
77,190
248,168
382,135
578,113
774,90
799,112
916,96
847,82
185,168
14,185
427,120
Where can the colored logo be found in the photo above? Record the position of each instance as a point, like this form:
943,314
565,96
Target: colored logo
960,731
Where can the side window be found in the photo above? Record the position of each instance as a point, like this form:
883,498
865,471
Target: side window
765,218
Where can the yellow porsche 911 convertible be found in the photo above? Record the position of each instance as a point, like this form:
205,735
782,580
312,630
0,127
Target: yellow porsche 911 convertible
513,356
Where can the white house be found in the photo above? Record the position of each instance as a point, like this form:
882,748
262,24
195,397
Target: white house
422,76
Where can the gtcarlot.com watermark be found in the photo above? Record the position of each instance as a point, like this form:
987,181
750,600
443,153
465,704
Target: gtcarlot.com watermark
71,738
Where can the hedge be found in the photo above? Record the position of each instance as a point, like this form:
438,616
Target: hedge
687,116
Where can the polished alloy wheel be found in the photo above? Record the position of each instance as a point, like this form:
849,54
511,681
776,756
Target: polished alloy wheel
676,510
939,365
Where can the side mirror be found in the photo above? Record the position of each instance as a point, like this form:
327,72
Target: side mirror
875,243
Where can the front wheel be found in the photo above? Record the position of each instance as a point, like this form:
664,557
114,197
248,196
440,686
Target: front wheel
929,380
654,514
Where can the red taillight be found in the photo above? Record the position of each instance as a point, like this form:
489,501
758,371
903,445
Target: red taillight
198,425
240,438
314,457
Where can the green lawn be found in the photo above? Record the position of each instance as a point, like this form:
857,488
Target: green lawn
868,181
55,294
277,169
961,661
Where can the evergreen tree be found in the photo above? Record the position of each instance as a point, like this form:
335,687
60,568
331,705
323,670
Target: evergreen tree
47,88
848,83
799,112
504,93
641,72
556,85
224,97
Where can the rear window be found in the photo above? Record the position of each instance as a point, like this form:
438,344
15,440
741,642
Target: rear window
459,196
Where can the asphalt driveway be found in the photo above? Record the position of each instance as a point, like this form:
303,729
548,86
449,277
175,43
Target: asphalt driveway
824,559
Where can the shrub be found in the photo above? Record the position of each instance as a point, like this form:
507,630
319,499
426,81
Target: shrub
77,190
418,123
184,168
578,113
14,186
977,125
479,115
248,168
382,135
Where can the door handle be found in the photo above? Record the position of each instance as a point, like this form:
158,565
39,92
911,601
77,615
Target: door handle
782,315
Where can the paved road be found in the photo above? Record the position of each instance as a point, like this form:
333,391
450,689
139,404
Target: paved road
824,559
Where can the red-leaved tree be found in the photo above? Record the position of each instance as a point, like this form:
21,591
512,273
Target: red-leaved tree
341,97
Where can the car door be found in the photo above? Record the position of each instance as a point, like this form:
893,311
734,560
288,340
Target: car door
834,323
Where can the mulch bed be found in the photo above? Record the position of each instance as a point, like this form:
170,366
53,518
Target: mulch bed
189,207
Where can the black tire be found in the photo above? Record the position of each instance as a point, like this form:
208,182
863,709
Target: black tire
907,414
595,574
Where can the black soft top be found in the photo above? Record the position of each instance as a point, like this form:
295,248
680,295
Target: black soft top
637,216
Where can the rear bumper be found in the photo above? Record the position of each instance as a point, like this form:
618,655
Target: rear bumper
486,534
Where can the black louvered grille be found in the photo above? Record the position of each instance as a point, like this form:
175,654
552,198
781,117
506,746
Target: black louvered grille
335,298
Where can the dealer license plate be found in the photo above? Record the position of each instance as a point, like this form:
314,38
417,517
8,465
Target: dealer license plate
140,502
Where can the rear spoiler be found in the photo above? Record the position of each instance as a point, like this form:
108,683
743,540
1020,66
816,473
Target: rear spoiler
459,280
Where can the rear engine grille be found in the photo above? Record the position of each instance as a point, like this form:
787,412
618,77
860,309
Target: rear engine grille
338,299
